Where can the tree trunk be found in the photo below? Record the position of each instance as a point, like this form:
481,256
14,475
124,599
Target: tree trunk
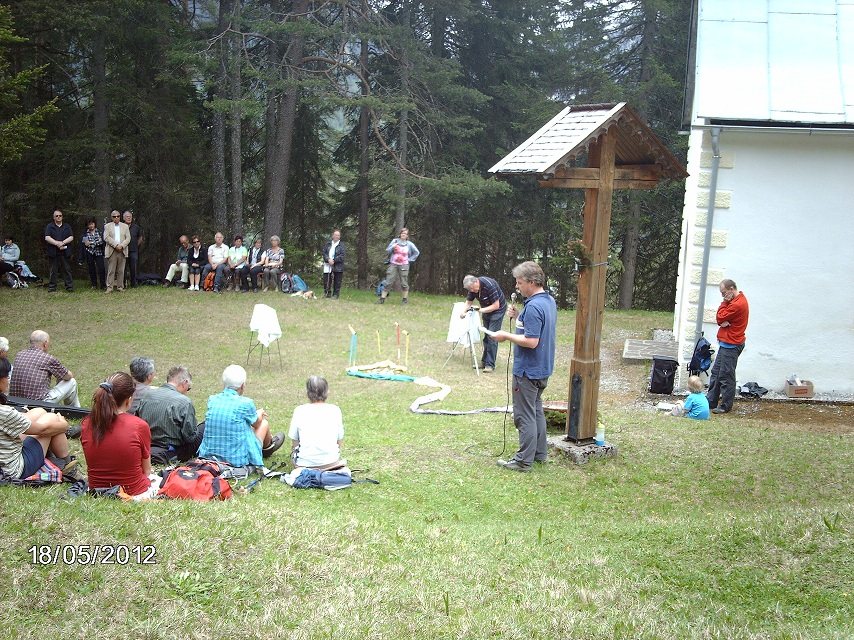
100,123
629,254
631,238
364,167
274,209
403,136
236,117
220,207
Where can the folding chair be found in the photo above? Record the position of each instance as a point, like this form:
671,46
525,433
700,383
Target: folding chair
266,329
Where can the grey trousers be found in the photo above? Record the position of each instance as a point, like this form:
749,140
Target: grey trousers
530,420
722,378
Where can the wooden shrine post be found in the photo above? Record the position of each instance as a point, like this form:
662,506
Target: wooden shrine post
591,293
622,153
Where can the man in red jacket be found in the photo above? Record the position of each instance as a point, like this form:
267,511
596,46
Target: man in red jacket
732,320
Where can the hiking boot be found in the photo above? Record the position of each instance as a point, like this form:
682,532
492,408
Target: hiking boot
277,441
513,465
61,463
719,410
404,301
73,431
381,301
73,473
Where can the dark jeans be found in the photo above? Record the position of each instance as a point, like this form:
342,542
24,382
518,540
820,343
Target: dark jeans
97,271
252,275
491,321
55,263
132,267
332,283
530,420
183,452
220,272
722,378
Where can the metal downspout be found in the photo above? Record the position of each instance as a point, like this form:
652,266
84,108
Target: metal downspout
710,217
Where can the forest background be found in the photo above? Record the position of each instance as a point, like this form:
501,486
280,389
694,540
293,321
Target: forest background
297,117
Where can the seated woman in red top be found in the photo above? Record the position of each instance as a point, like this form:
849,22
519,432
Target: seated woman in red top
116,444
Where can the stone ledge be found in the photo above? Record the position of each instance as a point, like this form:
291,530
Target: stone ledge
581,454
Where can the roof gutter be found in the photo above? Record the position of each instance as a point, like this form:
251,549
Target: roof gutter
710,217
781,129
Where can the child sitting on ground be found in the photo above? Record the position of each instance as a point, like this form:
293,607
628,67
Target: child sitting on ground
696,406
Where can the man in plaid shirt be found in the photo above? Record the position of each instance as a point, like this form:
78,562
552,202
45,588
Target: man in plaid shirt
32,372
235,431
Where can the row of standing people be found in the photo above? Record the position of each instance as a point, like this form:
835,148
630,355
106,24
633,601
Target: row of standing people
107,253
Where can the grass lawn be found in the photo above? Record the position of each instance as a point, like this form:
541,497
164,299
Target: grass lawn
738,527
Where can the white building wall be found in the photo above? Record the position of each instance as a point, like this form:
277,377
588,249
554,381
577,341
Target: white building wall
784,231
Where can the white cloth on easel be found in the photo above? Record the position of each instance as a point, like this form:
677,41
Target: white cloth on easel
464,331
266,324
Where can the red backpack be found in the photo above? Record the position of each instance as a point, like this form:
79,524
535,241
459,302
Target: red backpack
197,480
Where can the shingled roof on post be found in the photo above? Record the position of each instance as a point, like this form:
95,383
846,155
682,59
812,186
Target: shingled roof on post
640,159
621,153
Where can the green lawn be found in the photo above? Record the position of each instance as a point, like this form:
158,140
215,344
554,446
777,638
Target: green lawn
723,529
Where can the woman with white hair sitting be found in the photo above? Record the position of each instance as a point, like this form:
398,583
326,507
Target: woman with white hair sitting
317,429
274,264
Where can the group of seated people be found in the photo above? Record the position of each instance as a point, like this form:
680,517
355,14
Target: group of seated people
236,267
120,442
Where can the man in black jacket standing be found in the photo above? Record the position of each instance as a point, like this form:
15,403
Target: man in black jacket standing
333,265
59,236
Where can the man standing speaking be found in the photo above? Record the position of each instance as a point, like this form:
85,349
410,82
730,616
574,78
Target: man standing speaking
533,364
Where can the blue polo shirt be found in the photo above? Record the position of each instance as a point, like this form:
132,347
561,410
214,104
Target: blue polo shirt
537,320
228,430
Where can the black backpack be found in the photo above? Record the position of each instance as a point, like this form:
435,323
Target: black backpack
286,283
702,359
663,375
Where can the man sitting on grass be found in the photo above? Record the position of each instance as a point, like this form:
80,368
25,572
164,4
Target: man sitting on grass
172,418
34,368
235,431
26,438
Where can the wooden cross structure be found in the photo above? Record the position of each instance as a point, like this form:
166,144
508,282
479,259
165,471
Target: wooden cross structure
622,153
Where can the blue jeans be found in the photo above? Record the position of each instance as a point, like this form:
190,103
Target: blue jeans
491,321
530,420
722,378
220,271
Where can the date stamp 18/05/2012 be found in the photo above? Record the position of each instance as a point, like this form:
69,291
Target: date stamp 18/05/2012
68,554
